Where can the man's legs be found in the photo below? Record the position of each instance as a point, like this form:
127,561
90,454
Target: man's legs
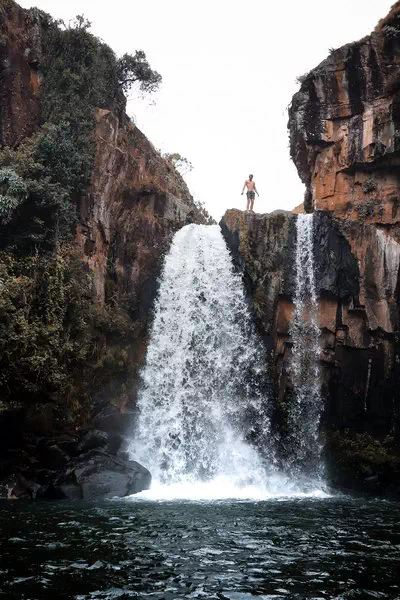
252,202
248,201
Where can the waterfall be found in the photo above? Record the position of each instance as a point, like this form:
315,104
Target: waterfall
306,404
203,428
203,407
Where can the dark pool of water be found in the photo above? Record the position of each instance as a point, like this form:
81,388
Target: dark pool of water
308,548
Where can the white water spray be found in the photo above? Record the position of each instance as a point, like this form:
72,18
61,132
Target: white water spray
203,402
305,410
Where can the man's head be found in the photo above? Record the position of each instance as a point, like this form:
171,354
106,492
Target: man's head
250,177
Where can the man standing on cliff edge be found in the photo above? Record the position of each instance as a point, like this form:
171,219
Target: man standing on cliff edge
251,192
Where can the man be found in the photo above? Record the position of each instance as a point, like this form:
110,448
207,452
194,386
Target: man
251,192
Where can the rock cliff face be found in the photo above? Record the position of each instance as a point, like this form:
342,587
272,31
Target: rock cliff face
344,131
345,128
20,54
135,203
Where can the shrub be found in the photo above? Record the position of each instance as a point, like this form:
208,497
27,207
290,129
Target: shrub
181,164
55,344
369,184
366,209
49,171
13,191
300,79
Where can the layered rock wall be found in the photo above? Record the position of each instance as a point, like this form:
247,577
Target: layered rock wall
345,128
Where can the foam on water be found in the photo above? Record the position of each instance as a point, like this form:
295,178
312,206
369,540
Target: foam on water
224,488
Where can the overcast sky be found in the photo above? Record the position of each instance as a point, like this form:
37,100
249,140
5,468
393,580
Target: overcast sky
229,71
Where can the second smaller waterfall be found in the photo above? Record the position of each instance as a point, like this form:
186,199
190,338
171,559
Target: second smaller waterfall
306,405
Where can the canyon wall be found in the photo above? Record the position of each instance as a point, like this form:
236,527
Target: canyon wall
344,135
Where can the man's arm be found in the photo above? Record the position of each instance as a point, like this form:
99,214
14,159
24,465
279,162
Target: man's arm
255,189
244,185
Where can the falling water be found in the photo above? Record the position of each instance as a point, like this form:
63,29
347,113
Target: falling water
203,400
305,409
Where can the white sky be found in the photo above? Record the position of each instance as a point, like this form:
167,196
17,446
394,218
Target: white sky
229,69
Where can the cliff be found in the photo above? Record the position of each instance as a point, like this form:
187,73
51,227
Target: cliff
344,127
344,132
88,208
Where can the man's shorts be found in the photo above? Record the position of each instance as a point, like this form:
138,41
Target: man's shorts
251,195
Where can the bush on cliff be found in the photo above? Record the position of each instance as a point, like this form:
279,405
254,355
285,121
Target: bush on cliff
55,344
48,169
53,167
357,458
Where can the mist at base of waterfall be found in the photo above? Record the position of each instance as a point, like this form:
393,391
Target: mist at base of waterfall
224,488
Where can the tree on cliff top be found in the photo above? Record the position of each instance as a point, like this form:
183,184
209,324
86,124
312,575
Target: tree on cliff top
136,69
182,164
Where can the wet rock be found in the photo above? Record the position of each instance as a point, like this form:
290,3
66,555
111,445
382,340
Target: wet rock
262,247
69,491
93,439
337,272
53,457
357,270
17,487
115,421
100,475
68,444
115,443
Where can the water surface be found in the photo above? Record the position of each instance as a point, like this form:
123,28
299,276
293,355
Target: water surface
238,550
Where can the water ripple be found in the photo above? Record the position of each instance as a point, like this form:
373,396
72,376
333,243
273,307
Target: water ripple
336,548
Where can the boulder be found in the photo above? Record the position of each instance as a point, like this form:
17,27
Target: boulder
93,439
100,475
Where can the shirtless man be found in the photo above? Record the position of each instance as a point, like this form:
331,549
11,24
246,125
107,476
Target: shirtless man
251,192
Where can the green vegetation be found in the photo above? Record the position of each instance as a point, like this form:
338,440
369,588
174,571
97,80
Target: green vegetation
13,193
357,456
136,69
366,208
56,345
